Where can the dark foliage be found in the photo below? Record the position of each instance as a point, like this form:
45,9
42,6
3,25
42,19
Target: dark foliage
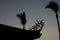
22,17
53,6
38,26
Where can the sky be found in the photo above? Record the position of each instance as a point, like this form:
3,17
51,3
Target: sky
35,10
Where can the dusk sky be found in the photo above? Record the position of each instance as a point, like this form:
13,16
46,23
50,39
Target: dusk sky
35,10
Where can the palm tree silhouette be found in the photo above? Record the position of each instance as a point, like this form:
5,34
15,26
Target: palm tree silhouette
54,6
22,17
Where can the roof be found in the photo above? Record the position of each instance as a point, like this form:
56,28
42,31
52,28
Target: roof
17,33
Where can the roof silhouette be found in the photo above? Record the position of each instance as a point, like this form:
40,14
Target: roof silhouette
9,32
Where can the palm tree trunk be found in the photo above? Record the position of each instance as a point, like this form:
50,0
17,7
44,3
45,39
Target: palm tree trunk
58,23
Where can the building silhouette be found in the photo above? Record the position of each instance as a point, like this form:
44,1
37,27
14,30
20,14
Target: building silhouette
9,32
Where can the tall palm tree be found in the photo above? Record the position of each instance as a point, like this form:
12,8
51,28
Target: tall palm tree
54,6
22,18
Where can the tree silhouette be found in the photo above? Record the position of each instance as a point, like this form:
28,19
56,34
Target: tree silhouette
54,6
22,17
38,26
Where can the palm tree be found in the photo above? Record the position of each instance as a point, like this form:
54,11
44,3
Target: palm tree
22,18
54,6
